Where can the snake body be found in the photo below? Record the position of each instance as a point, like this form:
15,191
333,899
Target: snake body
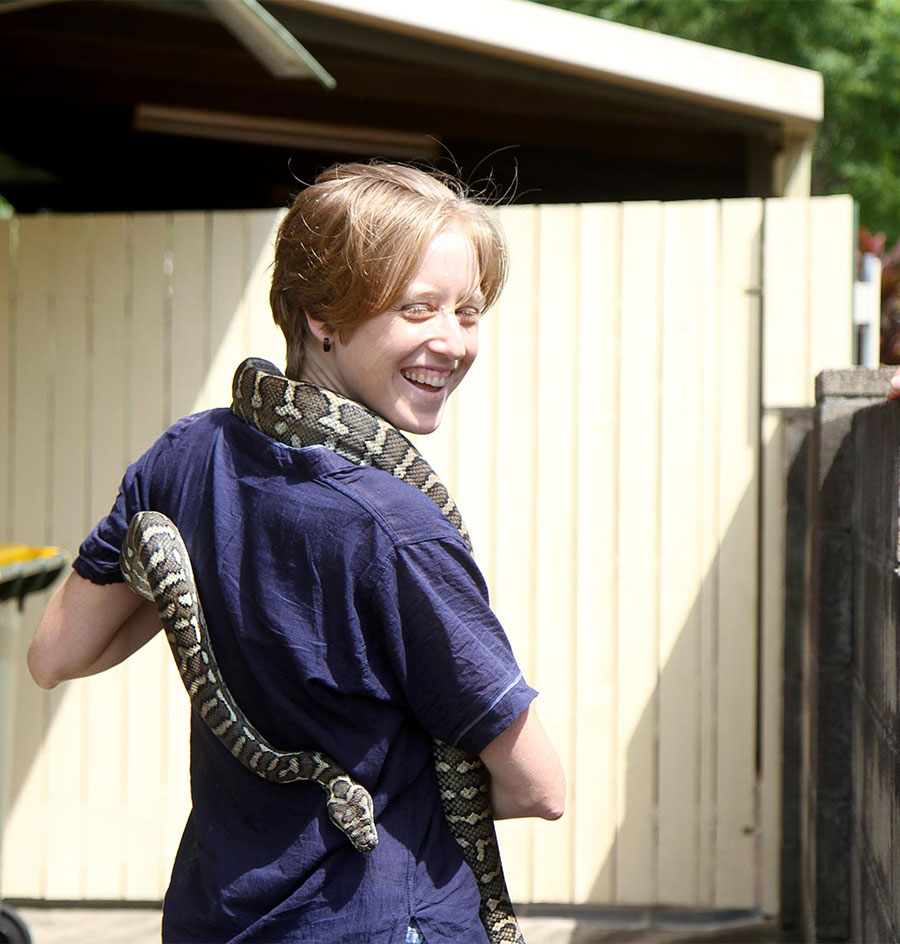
156,564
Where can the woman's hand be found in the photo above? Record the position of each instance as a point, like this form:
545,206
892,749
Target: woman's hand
894,392
527,778
87,628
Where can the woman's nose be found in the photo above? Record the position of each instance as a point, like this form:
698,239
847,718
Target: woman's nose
448,336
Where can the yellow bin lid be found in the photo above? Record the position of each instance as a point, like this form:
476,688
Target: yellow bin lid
26,569
18,553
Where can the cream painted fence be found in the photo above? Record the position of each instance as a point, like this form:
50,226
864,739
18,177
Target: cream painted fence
615,451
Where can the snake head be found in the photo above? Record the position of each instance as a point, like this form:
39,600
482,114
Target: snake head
352,811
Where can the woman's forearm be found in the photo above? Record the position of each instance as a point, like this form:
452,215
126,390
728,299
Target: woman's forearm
132,635
87,628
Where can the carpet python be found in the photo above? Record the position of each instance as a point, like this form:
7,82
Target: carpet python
156,564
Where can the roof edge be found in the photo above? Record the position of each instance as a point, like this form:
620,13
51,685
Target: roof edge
573,43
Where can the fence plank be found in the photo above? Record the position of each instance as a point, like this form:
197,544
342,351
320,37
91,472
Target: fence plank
143,673
30,483
109,359
27,826
738,513
787,378
514,573
772,623
265,337
70,411
105,695
7,420
557,380
689,282
228,330
8,236
189,357
33,383
637,647
68,282
714,377
189,326
147,355
476,447
592,812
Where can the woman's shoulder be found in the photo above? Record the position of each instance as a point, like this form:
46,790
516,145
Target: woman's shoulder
205,424
189,435
356,498
405,512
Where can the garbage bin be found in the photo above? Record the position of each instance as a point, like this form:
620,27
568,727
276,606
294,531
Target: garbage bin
23,570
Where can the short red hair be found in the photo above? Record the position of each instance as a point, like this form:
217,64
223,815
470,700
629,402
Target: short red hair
352,241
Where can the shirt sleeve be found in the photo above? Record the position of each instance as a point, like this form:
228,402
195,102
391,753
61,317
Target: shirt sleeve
450,653
98,556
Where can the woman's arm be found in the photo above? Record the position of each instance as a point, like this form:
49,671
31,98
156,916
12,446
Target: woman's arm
527,778
87,628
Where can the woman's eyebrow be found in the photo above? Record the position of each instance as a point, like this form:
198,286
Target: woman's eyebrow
430,294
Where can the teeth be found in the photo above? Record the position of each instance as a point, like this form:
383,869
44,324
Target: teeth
423,378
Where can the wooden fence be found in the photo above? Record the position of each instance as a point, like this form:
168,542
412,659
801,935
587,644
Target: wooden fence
615,451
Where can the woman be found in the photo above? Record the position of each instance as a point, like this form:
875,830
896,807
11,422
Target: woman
346,612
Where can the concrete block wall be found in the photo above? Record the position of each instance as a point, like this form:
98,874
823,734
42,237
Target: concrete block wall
846,798
875,884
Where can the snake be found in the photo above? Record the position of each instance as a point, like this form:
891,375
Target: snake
155,563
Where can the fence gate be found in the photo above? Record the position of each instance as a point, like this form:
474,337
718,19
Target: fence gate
615,451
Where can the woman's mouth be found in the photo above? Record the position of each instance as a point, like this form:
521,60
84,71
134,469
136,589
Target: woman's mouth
426,379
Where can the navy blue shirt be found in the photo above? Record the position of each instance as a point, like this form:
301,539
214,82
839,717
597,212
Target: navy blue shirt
347,615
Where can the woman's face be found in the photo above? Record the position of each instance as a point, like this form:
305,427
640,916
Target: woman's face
404,363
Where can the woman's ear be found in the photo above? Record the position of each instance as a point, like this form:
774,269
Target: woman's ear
318,329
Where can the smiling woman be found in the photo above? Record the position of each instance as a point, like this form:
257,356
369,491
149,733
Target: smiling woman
388,269
344,608
405,362
353,242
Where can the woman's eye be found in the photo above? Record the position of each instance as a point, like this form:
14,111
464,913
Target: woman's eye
422,311
417,310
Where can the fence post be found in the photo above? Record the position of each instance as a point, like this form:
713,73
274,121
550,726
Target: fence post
798,426
826,779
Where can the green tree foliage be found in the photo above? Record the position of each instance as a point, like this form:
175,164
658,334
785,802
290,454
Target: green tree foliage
855,44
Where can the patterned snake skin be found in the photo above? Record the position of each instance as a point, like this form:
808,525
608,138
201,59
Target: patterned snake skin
155,563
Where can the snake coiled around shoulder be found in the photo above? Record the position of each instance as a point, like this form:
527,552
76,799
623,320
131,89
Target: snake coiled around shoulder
156,564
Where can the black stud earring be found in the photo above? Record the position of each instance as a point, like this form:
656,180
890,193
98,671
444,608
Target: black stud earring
326,344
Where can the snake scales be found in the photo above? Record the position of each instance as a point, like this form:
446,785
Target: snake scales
155,563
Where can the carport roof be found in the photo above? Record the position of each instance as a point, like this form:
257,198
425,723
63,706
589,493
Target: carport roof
169,103
610,54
